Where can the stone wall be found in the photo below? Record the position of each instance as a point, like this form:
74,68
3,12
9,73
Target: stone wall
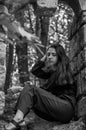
2,64
2,75
78,62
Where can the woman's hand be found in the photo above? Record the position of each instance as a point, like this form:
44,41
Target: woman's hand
43,58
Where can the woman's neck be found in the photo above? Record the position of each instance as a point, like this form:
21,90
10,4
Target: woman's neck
49,68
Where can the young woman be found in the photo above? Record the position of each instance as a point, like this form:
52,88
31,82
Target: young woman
55,99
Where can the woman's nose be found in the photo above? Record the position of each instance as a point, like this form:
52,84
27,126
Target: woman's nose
50,56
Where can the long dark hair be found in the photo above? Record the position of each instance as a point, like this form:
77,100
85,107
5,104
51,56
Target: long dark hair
63,74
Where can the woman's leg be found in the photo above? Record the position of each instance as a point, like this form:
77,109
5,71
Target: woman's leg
44,103
51,107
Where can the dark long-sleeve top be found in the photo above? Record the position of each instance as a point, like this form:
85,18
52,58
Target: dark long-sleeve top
66,92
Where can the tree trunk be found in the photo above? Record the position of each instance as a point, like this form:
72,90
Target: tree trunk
9,59
22,61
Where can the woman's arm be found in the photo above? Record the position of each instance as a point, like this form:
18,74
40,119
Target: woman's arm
38,71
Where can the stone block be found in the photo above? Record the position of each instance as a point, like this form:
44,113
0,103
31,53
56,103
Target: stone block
81,107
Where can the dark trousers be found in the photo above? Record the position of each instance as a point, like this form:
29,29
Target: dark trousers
45,104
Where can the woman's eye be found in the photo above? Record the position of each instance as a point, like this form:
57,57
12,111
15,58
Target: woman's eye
48,54
54,54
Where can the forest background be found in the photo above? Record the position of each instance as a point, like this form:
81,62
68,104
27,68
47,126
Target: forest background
18,56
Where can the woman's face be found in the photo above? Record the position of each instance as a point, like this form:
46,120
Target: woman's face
51,56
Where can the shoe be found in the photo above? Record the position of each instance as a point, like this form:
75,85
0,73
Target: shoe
26,121
14,127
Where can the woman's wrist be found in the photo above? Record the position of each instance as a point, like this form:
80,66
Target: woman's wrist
43,58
